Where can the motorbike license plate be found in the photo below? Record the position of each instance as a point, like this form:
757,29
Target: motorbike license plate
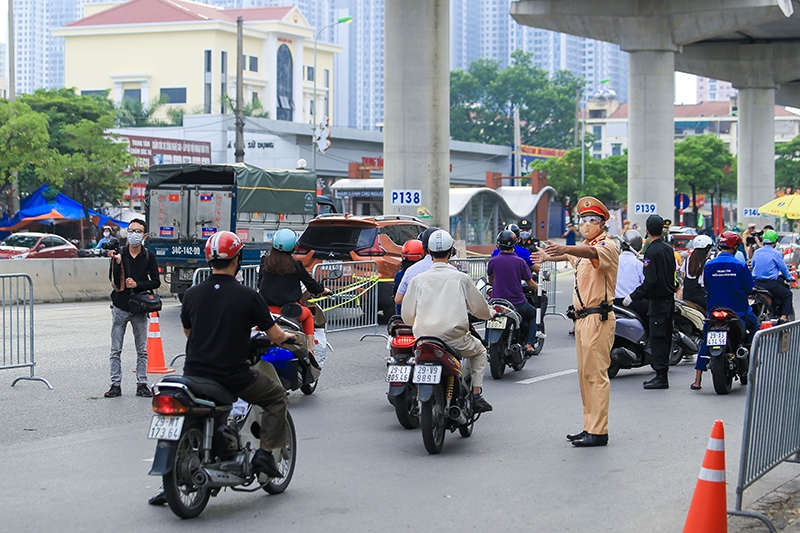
717,338
186,274
427,374
398,373
165,427
497,323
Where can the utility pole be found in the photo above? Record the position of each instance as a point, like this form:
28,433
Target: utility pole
517,145
239,153
577,113
12,96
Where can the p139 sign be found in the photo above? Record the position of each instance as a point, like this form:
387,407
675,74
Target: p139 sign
406,197
645,208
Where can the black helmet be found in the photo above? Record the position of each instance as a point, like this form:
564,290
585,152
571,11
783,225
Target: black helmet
513,228
425,235
633,239
506,239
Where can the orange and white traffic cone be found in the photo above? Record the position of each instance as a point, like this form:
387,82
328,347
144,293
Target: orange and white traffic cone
708,512
155,351
794,282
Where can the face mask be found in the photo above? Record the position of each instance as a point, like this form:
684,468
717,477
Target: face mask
135,239
591,231
106,234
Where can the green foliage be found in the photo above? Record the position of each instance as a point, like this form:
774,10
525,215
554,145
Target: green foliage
564,175
482,102
249,109
787,164
134,113
24,143
702,163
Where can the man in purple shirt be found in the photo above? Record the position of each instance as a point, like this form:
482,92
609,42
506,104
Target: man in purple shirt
506,271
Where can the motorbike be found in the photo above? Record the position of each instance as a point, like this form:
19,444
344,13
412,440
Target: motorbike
728,346
760,301
202,449
631,348
399,365
301,370
444,389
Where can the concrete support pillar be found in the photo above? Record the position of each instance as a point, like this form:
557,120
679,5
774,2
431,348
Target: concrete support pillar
416,132
651,133
756,149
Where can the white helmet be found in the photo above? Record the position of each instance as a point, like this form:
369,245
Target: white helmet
702,241
440,241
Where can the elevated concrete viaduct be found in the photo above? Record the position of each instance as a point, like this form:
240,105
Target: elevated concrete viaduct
655,32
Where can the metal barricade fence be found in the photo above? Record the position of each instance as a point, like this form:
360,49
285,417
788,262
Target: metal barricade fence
16,325
249,276
353,302
549,286
474,267
771,429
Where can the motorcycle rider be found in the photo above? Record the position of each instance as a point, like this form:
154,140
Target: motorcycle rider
768,265
417,268
436,304
411,254
506,270
630,274
521,251
692,271
660,284
728,284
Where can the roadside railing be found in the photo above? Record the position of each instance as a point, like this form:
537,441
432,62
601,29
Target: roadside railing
474,267
249,276
16,325
771,429
353,302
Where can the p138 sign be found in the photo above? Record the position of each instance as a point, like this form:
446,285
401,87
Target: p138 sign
645,208
406,197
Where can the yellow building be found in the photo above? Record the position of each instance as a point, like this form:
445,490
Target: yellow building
185,52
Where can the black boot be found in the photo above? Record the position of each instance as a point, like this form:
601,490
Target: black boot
658,382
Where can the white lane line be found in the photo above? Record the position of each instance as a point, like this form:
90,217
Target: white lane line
547,376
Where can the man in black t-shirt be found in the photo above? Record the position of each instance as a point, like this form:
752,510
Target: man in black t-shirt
217,316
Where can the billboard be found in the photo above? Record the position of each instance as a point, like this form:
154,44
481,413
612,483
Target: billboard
148,151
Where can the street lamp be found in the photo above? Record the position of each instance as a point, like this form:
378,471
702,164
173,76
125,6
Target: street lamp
583,128
343,20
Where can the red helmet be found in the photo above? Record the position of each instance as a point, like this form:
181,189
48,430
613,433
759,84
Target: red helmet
223,245
412,250
729,239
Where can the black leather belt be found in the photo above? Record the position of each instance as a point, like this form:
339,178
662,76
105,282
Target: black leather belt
583,313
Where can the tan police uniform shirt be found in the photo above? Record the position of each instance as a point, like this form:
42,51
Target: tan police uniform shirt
596,278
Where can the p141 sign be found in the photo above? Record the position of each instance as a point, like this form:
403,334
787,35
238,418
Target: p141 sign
645,208
406,197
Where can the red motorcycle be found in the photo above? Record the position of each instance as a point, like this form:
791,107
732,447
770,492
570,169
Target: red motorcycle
399,365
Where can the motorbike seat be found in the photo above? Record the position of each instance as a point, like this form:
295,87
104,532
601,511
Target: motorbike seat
205,388
760,290
626,312
440,342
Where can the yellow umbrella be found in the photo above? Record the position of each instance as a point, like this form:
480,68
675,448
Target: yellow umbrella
784,206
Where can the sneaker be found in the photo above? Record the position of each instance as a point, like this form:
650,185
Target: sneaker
264,463
114,391
143,390
480,405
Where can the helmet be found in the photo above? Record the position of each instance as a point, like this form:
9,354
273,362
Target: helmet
633,239
413,250
702,241
440,241
506,239
729,239
514,228
284,240
425,235
223,245
770,237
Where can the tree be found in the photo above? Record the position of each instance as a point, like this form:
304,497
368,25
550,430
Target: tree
564,175
702,163
482,102
23,143
134,113
787,164
616,167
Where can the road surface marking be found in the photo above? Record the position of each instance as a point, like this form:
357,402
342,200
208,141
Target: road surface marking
547,376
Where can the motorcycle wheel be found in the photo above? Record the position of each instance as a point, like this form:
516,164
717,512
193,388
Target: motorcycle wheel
496,364
676,356
719,374
405,407
537,348
309,388
613,370
287,460
433,422
184,498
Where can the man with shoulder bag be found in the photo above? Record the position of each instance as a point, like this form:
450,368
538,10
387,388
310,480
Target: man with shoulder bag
133,273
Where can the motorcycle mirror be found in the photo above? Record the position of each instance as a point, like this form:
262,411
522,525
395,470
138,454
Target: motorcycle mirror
291,310
480,284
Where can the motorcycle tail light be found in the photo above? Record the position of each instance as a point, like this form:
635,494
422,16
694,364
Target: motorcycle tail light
428,352
168,405
498,309
403,341
720,315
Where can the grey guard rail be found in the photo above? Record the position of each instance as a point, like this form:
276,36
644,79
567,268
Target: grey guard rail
771,429
16,325
353,302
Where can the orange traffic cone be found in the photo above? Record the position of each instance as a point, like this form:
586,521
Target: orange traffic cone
794,282
155,351
708,512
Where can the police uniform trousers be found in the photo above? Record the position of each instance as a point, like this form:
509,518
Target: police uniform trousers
661,311
593,341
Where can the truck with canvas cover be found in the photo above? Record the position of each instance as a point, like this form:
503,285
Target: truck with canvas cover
187,203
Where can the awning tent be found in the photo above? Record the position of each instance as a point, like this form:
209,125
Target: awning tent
38,209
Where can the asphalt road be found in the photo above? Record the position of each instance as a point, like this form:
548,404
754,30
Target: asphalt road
75,461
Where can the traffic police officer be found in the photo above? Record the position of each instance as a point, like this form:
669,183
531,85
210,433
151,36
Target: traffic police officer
660,284
595,261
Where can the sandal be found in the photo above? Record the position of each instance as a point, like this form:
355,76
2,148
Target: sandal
695,387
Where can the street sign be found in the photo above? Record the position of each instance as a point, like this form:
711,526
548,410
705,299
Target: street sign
645,208
406,197
751,212
681,201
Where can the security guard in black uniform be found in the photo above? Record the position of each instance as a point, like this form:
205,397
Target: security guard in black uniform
660,284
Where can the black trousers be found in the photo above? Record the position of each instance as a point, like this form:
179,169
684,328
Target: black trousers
781,296
661,310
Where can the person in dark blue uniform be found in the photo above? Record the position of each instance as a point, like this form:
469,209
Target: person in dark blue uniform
660,284
728,283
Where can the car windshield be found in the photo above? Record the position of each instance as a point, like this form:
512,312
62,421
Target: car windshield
338,237
787,239
21,241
